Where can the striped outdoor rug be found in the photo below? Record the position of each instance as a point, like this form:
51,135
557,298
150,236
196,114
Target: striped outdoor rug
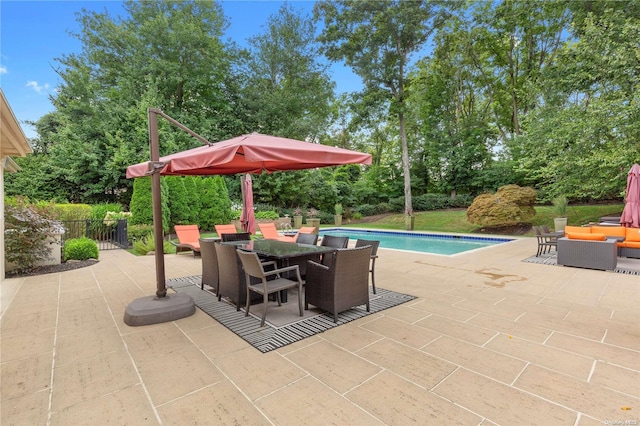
271,337
625,265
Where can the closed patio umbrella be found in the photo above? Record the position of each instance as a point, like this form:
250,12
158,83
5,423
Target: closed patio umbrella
631,213
248,217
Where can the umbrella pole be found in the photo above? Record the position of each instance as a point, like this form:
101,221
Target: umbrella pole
158,308
243,214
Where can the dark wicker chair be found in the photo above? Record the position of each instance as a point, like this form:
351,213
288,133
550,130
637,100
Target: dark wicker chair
307,239
341,285
238,236
333,241
374,255
231,278
254,268
209,264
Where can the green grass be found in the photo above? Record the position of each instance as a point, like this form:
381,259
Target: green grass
456,220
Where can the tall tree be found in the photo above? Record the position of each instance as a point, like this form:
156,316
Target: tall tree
163,54
376,39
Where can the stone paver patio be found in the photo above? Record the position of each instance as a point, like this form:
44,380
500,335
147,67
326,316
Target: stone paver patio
489,340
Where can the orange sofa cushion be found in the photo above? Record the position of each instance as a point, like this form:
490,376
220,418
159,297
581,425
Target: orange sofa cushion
609,231
574,229
632,234
585,236
630,244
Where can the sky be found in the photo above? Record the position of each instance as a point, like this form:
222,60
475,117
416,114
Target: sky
34,33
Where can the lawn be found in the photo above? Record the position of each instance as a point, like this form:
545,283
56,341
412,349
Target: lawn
456,220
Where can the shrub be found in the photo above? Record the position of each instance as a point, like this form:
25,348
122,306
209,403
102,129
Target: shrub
511,204
27,229
147,244
80,249
99,211
71,211
138,232
267,215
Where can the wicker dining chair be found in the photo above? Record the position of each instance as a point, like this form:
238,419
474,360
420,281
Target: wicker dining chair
266,286
341,285
238,236
374,255
209,264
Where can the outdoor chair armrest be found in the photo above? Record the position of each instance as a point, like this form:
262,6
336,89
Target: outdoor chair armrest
269,263
314,264
285,269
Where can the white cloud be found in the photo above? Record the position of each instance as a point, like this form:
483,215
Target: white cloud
37,87
3,70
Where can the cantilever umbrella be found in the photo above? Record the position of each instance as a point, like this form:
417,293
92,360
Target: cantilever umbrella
631,213
254,153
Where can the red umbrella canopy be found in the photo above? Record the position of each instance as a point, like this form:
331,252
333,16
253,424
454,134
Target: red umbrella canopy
252,153
631,213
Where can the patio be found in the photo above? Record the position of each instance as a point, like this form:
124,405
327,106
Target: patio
490,339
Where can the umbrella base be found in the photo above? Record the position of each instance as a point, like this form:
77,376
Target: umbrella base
154,310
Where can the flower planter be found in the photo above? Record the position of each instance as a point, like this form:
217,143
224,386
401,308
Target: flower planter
337,219
315,222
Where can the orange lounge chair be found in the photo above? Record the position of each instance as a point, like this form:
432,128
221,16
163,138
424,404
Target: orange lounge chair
269,232
188,237
226,229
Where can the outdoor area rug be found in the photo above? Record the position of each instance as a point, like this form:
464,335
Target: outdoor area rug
625,265
284,324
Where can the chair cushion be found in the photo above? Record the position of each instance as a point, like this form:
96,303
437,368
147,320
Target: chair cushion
584,236
632,234
580,229
609,231
630,244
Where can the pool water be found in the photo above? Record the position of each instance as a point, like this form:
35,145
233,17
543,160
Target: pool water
416,241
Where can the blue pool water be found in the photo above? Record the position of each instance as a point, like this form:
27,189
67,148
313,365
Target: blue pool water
416,241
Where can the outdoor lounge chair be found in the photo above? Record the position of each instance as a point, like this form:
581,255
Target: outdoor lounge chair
225,229
341,285
374,255
209,264
188,239
254,268
269,232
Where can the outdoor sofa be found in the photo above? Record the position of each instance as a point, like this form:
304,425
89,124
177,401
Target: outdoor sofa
597,247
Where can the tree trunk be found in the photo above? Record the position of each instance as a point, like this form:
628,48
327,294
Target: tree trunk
408,209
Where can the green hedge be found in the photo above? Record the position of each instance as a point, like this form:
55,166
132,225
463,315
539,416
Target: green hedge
80,249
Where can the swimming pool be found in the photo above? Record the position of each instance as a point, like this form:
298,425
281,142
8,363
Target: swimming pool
417,241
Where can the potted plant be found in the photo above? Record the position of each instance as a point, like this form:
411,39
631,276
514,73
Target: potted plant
312,220
560,204
297,218
337,218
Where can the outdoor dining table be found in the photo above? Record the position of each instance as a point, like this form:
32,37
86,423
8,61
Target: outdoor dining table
281,251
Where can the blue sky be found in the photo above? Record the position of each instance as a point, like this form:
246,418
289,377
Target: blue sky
34,33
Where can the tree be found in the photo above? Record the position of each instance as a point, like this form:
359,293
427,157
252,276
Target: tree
164,54
376,39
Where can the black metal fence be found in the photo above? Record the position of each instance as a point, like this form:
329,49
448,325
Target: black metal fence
109,234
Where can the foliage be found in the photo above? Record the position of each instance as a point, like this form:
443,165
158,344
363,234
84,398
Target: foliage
178,202
100,210
511,204
338,209
312,212
141,206
560,204
28,229
267,215
80,249
67,212
216,206
147,244
138,232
